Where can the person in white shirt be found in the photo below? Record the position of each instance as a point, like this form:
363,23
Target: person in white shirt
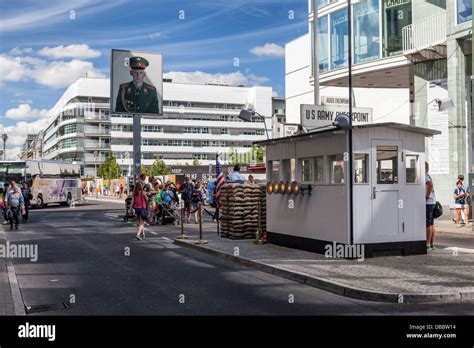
235,176
430,205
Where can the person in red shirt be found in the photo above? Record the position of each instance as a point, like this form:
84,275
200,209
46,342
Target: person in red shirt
139,204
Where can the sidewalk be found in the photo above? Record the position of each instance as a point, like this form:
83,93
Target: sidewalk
448,226
6,297
109,199
444,275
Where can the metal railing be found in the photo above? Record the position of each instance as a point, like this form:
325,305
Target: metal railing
428,32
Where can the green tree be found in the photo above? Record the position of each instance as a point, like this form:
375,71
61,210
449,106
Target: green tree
233,156
196,162
144,170
160,168
109,168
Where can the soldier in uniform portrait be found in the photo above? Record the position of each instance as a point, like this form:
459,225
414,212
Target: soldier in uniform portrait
137,96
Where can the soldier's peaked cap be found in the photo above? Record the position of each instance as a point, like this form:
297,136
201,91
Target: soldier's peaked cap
138,63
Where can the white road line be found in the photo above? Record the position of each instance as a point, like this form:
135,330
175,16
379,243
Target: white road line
165,238
18,304
461,250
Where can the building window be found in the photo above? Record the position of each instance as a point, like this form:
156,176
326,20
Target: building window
336,166
339,42
366,31
224,131
396,15
412,169
323,43
360,168
464,11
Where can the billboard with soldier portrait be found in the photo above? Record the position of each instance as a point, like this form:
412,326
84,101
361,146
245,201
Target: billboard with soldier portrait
136,83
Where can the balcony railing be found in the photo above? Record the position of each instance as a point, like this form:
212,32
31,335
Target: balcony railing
424,34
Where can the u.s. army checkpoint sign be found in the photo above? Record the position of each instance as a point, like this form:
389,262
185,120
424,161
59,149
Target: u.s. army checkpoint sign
313,116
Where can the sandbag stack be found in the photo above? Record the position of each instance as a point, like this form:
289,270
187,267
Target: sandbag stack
239,211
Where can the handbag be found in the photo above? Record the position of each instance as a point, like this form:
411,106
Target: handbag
438,210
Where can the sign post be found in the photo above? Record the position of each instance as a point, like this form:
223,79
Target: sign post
137,153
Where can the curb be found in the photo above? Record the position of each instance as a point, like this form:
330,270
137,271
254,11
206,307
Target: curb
332,286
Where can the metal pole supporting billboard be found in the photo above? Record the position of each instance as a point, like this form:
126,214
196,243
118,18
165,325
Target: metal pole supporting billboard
137,142
315,52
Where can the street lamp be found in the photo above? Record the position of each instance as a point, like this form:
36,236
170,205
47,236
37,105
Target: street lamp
246,115
4,138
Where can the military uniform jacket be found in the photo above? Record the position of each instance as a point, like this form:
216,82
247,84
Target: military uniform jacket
143,100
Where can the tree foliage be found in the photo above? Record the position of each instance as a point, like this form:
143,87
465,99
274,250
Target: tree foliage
109,168
160,168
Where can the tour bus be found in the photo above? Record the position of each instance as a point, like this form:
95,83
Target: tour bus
49,181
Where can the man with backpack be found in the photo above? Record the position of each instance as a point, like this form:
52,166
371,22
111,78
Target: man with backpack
186,195
196,198
430,206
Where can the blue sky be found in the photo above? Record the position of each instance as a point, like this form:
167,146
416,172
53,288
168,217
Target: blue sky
46,45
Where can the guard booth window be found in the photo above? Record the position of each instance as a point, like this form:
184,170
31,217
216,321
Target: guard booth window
387,164
307,168
274,172
336,166
360,168
412,169
288,170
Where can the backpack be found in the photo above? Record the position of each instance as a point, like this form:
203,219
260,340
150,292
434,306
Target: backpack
438,210
196,197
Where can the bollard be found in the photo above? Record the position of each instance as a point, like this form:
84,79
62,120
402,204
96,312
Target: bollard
182,236
200,240
217,220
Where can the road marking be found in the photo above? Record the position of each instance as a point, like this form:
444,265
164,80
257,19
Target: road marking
18,304
165,238
461,250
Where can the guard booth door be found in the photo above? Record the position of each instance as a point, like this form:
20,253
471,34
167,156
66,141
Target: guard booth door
387,192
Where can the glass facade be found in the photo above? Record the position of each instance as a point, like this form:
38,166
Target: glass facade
464,11
339,39
396,15
323,43
366,31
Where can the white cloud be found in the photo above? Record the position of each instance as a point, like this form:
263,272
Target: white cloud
25,111
18,51
54,74
17,135
269,49
59,74
12,68
274,94
199,77
71,51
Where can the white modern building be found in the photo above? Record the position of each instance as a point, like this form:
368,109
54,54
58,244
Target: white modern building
198,122
407,55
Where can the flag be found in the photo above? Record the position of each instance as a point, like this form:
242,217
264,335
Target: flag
220,180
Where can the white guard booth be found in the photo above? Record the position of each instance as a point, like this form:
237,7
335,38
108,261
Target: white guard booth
388,204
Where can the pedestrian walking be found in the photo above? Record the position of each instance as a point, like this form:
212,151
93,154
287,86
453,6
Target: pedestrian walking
139,204
430,205
6,190
121,190
15,204
460,196
197,197
27,196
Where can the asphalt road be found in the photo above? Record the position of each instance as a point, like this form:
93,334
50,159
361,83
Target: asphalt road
93,259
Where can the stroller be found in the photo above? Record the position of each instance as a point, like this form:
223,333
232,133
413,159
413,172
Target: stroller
129,213
166,214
